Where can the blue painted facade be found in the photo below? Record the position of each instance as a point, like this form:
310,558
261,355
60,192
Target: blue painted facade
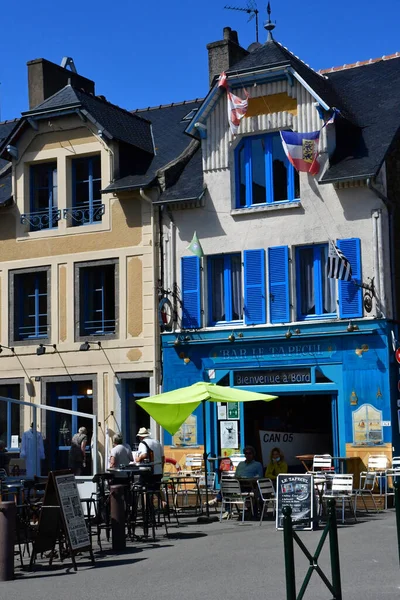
346,364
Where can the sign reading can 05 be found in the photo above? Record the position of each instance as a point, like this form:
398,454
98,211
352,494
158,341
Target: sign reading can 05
275,377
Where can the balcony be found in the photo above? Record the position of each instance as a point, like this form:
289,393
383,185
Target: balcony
84,215
42,219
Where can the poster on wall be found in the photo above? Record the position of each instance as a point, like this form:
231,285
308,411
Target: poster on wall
186,435
292,445
367,426
221,410
229,434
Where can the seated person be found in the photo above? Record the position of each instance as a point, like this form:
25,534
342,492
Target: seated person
249,468
276,465
120,455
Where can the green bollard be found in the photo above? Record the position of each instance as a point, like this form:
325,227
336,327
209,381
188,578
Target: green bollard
289,553
397,506
334,549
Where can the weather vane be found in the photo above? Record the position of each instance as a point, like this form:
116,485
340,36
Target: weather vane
269,25
251,9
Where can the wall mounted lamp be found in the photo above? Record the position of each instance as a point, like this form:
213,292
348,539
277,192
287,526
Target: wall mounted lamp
351,327
41,349
84,347
288,334
177,341
231,337
7,347
186,360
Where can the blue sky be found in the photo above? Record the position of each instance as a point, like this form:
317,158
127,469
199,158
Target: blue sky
144,53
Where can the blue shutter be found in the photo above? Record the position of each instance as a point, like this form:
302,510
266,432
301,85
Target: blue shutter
190,274
278,277
254,286
350,296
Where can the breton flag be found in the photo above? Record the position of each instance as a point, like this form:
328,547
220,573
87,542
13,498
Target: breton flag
302,150
338,266
237,107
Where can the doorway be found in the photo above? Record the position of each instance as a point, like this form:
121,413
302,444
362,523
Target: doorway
297,424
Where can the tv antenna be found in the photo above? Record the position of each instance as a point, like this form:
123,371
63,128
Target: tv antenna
251,9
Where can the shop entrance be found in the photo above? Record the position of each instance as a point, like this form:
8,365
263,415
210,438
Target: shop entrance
297,424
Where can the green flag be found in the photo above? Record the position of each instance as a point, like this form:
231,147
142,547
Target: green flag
195,246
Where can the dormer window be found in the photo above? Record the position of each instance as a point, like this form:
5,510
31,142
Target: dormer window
44,213
263,172
87,207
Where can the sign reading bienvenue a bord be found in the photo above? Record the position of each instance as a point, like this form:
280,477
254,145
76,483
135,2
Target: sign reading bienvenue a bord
276,377
272,352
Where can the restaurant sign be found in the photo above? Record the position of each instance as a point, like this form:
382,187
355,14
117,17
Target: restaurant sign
276,377
272,352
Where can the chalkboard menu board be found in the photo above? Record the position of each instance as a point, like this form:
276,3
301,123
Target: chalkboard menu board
296,491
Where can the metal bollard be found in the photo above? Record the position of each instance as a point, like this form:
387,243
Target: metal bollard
334,549
117,510
397,506
289,553
8,517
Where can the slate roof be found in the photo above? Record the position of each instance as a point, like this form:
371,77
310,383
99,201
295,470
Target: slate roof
273,54
170,141
5,167
371,92
124,126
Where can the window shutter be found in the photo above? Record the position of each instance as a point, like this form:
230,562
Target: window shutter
350,296
278,277
190,274
254,286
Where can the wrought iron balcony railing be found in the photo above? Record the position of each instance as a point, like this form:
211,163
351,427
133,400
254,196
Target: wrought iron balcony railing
84,215
42,219
99,327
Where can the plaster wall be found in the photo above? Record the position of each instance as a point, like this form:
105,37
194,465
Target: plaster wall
322,213
125,235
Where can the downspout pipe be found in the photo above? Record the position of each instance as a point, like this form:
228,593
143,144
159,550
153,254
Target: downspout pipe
390,207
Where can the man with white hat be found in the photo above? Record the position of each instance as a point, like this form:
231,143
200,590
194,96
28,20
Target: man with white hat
151,451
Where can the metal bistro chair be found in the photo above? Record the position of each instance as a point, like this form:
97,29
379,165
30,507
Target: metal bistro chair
267,496
194,462
392,475
366,489
322,462
210,485
232,495
342,489
378,463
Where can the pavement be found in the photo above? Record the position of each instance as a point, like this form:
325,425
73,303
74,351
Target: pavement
228,561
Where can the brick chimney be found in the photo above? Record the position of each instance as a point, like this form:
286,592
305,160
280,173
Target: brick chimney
46,78
224,54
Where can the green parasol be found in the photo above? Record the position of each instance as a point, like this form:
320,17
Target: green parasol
171,409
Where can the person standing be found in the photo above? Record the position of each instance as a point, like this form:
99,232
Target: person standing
150,450
77,451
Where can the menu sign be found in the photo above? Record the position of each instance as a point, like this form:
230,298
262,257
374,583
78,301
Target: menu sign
296,491
72,510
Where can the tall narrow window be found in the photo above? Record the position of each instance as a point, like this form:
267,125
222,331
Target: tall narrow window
44,213
86,196
97,300
316,292
30,307
264,174
225,293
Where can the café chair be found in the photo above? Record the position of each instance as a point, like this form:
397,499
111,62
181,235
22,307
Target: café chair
379,464
232,495
210,486
342,490
266,493
366,489
322,462
236,459
392,475
194,462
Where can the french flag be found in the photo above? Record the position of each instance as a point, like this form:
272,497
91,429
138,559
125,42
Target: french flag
302,150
